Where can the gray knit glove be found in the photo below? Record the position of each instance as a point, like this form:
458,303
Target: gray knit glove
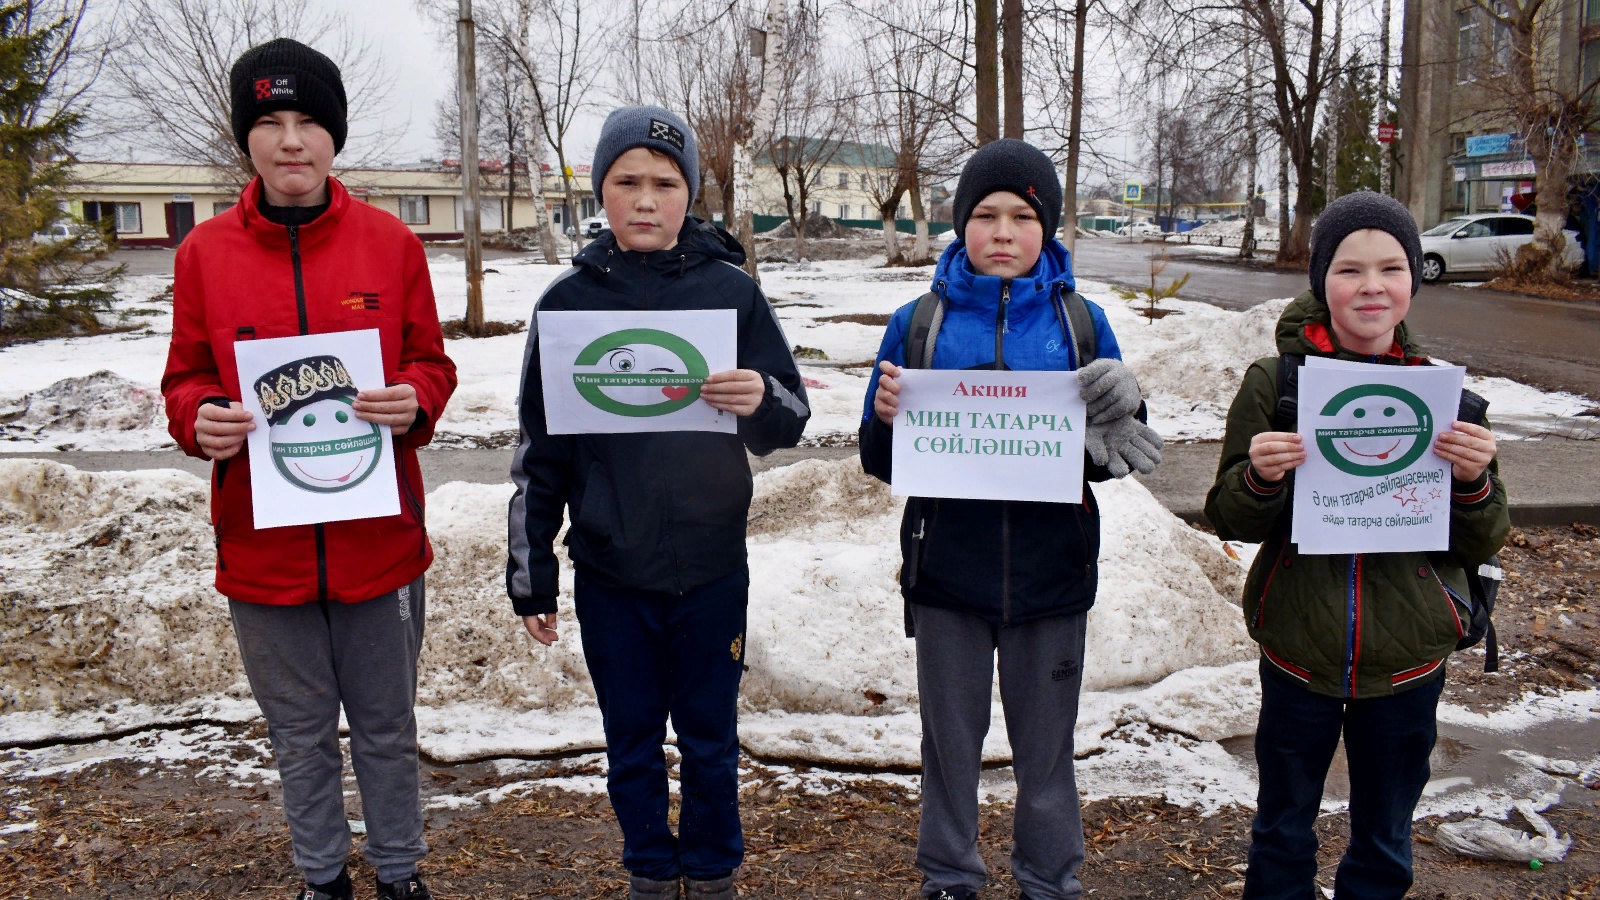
1123,445
1109,391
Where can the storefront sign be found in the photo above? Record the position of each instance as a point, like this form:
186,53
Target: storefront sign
1513,169
1489,144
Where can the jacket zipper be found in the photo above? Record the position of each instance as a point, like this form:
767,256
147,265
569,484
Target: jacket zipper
305,328
1353,627
1000,327
216,527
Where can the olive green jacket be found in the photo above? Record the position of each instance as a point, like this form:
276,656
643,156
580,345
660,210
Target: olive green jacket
1361,625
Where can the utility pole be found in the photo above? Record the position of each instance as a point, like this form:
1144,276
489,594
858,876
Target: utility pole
471,231
1080,18
1330,190
770,43
1385,151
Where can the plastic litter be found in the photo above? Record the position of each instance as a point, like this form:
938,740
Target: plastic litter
1487,839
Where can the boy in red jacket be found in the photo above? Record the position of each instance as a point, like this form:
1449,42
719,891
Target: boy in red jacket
326,615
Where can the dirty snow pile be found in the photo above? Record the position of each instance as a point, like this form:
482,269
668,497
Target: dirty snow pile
111,623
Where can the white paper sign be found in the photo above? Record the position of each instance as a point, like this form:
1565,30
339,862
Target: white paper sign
311,459
631,372
1371,482
986,435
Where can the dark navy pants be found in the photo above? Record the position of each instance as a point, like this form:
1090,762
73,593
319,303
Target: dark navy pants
1387,741
653,655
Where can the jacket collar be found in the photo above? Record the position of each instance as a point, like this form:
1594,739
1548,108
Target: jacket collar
955,280
1306,328
276,236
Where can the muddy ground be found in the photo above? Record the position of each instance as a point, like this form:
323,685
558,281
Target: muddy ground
122,830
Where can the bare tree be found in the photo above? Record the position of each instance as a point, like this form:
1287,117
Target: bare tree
988,71
1011,65
773,46
172,84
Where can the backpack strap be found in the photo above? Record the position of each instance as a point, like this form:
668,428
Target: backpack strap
1072,311
1286,417
923,335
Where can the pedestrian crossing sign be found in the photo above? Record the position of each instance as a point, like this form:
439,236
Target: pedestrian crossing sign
1132,192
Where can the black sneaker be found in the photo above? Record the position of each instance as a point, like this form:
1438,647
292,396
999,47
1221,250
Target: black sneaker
957,893
405,889
337,889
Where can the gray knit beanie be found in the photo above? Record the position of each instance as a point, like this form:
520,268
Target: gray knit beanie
1355,212
646,126
1009,165
286,74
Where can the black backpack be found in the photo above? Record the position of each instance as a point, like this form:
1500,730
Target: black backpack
1072,314
1484,583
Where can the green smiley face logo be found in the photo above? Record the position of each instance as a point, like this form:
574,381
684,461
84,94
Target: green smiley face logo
640,372
324,448
1376,429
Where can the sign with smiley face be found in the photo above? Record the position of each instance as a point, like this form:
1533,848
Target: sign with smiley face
1371,482
311,458
631,372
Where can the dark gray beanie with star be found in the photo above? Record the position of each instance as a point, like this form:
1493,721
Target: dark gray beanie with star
1357,212
1009,165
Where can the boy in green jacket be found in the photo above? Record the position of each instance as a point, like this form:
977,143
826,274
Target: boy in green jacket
1352,643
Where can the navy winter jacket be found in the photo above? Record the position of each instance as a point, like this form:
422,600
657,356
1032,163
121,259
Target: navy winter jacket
1007,561
657,512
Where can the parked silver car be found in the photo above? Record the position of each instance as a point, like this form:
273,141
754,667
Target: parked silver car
1473,243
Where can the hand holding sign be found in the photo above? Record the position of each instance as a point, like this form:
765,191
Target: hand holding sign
1468,448
738,391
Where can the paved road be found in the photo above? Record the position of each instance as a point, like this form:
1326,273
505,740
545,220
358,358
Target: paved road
1551,344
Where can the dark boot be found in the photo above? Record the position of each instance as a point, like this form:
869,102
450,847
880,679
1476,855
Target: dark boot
716,889
405,889
641,888
337,889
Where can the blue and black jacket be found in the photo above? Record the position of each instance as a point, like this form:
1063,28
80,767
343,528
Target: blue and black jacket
1007,561
656,512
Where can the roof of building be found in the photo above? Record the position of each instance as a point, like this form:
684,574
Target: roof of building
837,153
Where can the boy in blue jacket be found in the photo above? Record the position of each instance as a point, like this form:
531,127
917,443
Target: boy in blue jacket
988,576
657,538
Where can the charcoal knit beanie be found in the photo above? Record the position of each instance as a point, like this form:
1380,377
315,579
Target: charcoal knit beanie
1355,212
286,74
1009,165
646,126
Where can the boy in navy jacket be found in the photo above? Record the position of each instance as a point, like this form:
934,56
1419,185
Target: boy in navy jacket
657,534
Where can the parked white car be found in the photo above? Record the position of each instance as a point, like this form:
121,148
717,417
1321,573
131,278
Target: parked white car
1473,243
1138,229
60,231
591,227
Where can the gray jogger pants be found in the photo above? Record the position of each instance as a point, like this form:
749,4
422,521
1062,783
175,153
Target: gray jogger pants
303,662
1041,666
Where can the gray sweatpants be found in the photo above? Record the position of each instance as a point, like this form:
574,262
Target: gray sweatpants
1041,665
303,662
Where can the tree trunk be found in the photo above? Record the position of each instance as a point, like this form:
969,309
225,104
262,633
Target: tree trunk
1069,194
743,153
1385,151
1011,63
1330,190
1247,240
988,71
919,250
535,128
1283,195
891,242
472,238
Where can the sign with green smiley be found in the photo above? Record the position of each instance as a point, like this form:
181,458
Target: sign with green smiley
312,457
628,372
1371,482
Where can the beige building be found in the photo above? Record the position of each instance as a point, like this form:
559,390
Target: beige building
841,188
157,204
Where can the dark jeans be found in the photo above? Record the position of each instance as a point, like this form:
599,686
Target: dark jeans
653,655
1387,741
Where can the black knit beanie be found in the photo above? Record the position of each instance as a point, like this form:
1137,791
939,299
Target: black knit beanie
286,74
1009,165
1355,212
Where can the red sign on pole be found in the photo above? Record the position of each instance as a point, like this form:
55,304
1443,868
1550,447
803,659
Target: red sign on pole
1387,133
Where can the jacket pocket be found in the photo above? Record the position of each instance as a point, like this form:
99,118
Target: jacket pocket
1282,559
596,514
408,493
220,474
1458,610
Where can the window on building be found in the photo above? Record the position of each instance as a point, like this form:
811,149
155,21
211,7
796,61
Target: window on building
1591,13
844,210
816,207
865,185
129,218
1466,44
1501,51
414,209
844,179
221,206
1591,58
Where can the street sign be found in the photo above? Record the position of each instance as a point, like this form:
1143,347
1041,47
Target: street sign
1387,133
1132,192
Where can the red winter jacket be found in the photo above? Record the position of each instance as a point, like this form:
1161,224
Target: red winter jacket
358,268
